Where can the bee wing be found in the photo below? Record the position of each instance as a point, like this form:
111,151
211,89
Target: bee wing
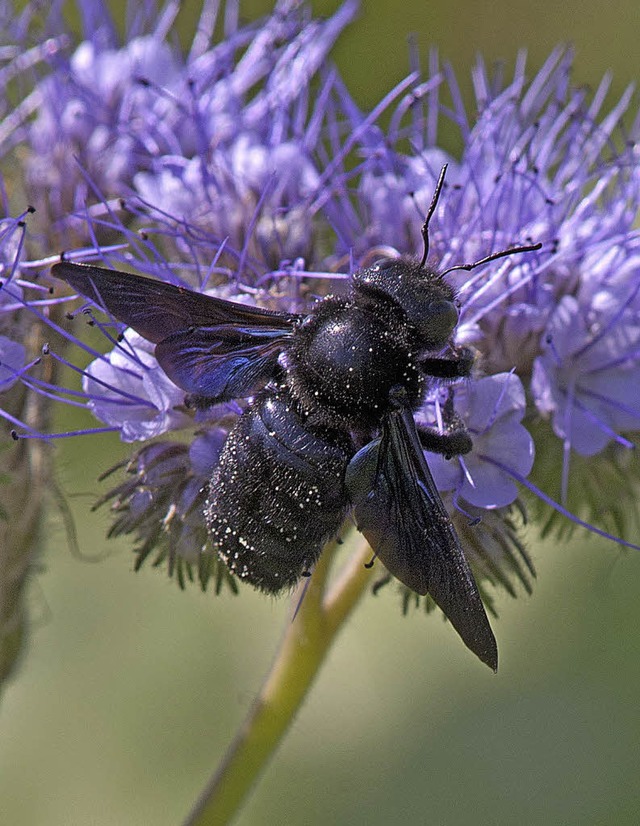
206,345
219,362
399,510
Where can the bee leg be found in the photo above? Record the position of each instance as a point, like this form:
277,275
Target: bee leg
380,583
458,366
453,443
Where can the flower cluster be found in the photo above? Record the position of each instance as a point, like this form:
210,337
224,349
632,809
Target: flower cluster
244,168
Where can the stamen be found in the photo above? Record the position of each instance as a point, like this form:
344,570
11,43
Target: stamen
556,506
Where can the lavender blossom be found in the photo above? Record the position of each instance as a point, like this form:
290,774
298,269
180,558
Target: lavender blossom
231,170
161,504
127,389
187,133
492,409
588,375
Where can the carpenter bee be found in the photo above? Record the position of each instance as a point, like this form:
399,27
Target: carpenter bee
329,428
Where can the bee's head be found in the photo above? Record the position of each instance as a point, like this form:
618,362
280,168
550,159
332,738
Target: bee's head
426,300
424,297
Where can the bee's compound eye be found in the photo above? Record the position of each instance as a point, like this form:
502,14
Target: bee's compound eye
442,317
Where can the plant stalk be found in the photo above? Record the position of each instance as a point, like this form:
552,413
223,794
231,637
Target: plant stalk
318,616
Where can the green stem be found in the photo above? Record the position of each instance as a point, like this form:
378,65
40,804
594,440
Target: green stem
302,651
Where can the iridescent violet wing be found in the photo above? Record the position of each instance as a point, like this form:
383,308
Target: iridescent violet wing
216,349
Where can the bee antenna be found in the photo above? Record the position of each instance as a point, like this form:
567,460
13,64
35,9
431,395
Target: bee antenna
430,211
493,257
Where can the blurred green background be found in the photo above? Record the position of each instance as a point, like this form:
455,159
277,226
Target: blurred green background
130,691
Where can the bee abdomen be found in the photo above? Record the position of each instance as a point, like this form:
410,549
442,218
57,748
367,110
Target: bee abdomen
277,495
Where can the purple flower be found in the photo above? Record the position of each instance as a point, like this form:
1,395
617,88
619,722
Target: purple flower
244,183
193,134
492,409
128,390
588,376
160,502
85,104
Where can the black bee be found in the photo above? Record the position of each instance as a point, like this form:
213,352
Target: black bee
330,428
